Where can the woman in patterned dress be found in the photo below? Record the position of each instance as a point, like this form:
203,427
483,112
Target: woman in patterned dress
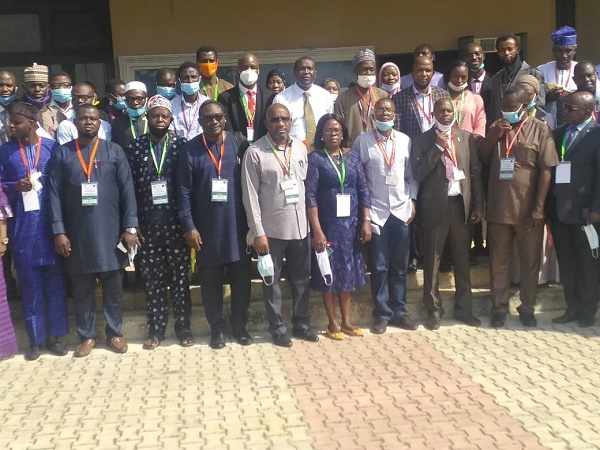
8,341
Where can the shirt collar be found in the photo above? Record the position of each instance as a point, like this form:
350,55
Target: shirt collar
582,125
383,138
480,78
245,90
422,95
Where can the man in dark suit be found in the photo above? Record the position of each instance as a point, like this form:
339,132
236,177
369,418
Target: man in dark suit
246,104
479,81
586,79
575,201
446,166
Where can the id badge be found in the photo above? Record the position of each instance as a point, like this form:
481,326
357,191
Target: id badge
563,173
391,179
250,134
218,192
89,194
292,194
159,192
287,184
31,201
458,174
507,169
343,205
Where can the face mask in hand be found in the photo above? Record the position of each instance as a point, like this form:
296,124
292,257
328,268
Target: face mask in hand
324,266
265,268
592,237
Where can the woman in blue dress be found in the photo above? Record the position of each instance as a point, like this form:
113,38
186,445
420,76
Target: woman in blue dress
337,202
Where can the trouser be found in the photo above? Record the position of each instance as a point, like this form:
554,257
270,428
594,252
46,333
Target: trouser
84,286
578,268
44,301
211,286
457,236
11,284
162,269
529,244
389,263
297,256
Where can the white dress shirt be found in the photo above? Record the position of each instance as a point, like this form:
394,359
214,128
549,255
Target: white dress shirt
477,83
67,131
426,102
185,116
69,111
321,102
454,188
245,90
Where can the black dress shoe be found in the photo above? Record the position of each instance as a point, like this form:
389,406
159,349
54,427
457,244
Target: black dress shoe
468,319
33,352
413,265
528,319
243,338
306,335
567,317
55,347
282,340
217,340
586,322
380,326
498,320
404,322
433,321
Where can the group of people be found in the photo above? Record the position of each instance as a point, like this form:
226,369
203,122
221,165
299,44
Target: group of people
317,181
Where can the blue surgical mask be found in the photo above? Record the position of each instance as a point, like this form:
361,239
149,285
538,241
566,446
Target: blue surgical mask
513,116
121,104
532,103
136,112
190,88
265,268
165,91
390,87
62,95
4,101
384,126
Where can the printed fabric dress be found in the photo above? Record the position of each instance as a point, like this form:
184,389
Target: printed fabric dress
8,341
322,186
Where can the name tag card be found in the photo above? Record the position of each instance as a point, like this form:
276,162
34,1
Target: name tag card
250,134
31,201
218,191
563,173
287,184
159,192
89,194
507,169
343,205
458,174
391,179
292,193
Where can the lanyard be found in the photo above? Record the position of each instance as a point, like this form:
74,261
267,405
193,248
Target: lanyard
342,175
87,170
369,102
26,160
564,149
133,132
422,108
388,161
193,112
568,76
159,168
512,143
213,159
285,167
459,114
249,116
215,91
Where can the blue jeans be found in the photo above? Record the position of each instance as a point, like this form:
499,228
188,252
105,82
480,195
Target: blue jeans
389,263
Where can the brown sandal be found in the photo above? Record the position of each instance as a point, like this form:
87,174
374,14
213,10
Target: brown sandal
151,343
186,339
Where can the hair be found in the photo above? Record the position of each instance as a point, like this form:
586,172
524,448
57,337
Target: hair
211,102
61,73
330,80
422,47
453,65
506,37
584,63
110,85
85,106
319,146
276,72
521,94
187,65
206,49
303,58
86,83
165,71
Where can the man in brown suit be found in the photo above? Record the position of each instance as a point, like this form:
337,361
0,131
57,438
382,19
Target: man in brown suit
446,166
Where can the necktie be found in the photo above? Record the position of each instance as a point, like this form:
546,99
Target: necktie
251,103
449,167
477,86
309,116
572,133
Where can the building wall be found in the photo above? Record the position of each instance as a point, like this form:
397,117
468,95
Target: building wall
180,26
587,13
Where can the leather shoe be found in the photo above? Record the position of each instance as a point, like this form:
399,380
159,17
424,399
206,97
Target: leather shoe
282,340
586,322
55,347
528,319
217,340
498,320
243,338
468,319
413,265
33,352
84,348
380,326
567,317
306,335
117,344
404,322
433,321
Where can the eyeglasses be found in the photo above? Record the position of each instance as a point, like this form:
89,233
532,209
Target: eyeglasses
60,85
336,131
384,110
570,108
278,119
84,98
135,99
210,118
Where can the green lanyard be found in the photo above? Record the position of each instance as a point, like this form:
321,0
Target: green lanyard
249,116
215,92
133,133
460,111
534,112
162,158
564,141
286,166
341,176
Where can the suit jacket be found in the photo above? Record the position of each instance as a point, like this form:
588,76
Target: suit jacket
236,117
486,93
429,170
407,119
571,202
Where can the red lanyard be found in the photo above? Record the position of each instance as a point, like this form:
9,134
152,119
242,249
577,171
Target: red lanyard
422,109
512,143
37,157
87,170
369,102
285,166
388,161
214,161
568,76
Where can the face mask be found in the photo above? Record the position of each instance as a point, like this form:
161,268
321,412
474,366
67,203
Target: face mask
477,69
456,88
324,266
208,70
384,126
265,268
165,91
532,103
4,101
366,81
121,104
592,237
61,95
249,77
513,116
390,87
136,112
37,102
190,88
443,128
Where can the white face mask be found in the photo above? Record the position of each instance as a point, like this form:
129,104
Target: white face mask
366,81
324,266
265,268
249,77
592,237
454,87
443,128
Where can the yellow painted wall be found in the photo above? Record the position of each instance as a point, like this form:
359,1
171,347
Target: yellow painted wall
587,19
145,27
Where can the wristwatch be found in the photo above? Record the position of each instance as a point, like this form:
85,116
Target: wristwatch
131,230
4,240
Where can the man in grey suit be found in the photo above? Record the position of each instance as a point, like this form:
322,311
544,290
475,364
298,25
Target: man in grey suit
446,166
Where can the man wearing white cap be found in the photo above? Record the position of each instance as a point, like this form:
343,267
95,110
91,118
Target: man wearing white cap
135,123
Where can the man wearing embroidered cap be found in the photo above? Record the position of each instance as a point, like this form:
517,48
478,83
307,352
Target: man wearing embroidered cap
164,258
36,93
357,105
135,123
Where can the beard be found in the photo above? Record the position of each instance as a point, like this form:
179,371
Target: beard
87,134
